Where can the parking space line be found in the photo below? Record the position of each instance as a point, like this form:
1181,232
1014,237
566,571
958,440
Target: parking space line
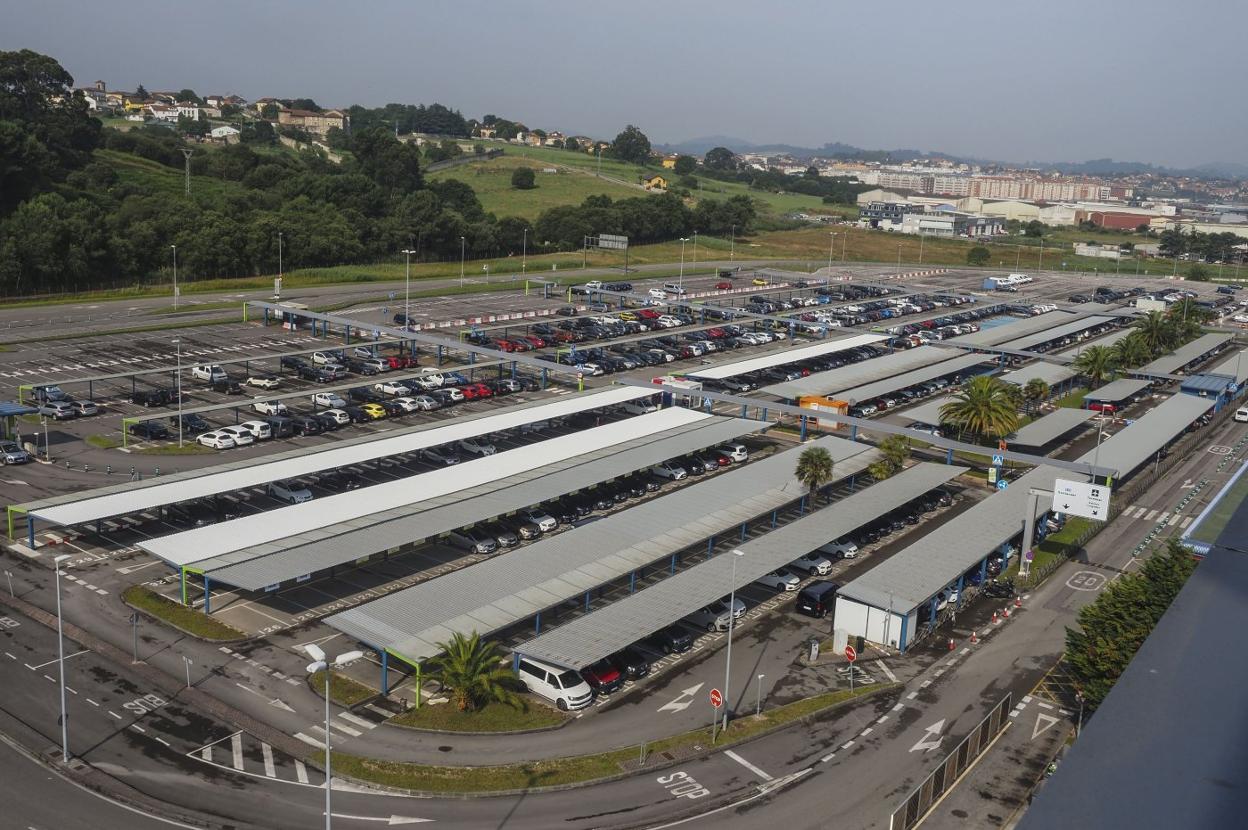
267,751
236,745
760,773
301,771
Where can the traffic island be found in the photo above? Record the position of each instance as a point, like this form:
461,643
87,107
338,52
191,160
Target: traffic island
565,773
342,689
493,718
186,620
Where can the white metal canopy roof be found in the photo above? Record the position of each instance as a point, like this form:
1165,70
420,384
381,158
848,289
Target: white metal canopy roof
587,639
856,374
1118,390
1139,442
767,361
1187,353
192,546
1051,427
120,500
505,590
1235,366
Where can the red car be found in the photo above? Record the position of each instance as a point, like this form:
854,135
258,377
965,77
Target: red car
480,390
469,391
1099,406
717,333
723,286
505,345
603,677
401,361
534,341
648,313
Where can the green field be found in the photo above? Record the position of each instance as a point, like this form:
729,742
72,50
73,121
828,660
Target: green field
152,176
491,180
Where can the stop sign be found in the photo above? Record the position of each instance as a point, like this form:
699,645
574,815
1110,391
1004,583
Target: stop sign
850,654
717,699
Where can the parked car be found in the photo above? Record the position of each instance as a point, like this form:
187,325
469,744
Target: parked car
735,451
84,408
260,430
323,358
12,453
270,407
328,399
190,423
263,381
289,492
710,618
215,439
440,455
208,373
603,677
59,410
149,430
477,446
1241,415
563,687
306,425
670,470
631,663
813,563
670,640
844,548
374,411
473,541
818,599
391,388
780,579
241,435
226,386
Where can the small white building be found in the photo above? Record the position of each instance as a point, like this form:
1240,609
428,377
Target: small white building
225,133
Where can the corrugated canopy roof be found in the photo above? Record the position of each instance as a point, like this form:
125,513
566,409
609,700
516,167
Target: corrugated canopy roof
1184,355
767,361
1051,427
856,374
884,387
1118,390
135,497
587,639
1053,332
505,590
1139,442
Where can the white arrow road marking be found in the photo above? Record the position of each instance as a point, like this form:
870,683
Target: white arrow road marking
931,737
682,701
274,702
389,820
1043,722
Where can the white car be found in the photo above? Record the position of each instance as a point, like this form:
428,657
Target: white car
326,358
1241,415
657,294
270,407
542,519
259,430
1240,318
216,440
391,387
242,436
841,549
813,563
208,373
426,382
780,579
338,415
263,381
432,374
669,469
711,618
737,452
477,446
329,399
641,406
289,492
408,404
591,369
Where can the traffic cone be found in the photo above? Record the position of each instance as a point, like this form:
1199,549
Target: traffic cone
1018,602
974,638
1006,612
995,618
951,644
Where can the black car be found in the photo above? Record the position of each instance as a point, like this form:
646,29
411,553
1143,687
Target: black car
402,319
315,374
306,425
292,362
393,408
226,386
670,640
340,481
190,423
358,366
152,397
149,430
364,395
357,415
328,423
631,663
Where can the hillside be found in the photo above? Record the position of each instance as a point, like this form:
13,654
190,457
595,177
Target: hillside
491,180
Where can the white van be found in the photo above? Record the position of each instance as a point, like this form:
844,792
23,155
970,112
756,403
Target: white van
674,288
562,687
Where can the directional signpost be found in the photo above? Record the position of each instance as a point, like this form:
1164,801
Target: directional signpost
998,460
1078,498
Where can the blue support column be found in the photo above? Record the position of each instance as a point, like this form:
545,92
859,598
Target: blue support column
901,642
632,582
207,595
933,609
949,456
515,662
961,582
801,506
673,563
983,571
803,420
537,623
853,432
545,378
744,411
30,532
385,672
710,545
764,418
743,531
440,355
773,517
587,601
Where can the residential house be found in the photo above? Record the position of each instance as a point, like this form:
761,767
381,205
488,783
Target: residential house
261,103
669,162
486,132
189,110
162,112
655,181
554,139
317,123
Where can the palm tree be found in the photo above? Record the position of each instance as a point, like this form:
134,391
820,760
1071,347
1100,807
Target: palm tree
814,469
984,407
1096,363
894,451
469,667
1155,331
1036,391
1132,351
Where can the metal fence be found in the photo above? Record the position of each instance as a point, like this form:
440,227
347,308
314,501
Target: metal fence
942,779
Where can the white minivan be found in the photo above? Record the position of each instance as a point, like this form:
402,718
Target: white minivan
674,288
562,687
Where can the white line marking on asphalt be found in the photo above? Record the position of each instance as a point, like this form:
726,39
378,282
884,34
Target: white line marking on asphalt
847,745
1150,515
268,760
50,678
10,656
206,753
865,732
1044,705
301,771
162,740
899,707
71,690
114,714
827,757
912,696
887,671
1026,698
354,733
50,662
881,718
377,709
137,728
734,756
925,684
1014,713
367,724
938,673
1174,520
310,741
92,702
1187,520
236,744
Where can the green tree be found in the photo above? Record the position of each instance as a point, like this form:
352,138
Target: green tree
1198,272
978,255
1154,331
1096,363
189,96
720,158
984,408
815,467
1034,228
572,144
1111,630
141,93
894,452
1035,392
1132,351
470,669
631,145
269,112
523,178
685,165
304,104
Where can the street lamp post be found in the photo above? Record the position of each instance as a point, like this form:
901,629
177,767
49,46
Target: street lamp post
695,251
1040,261
177,386
683,240
831,246
462,248
60,651
1079,723
922,239
407,290
732,244
279,253
758,698
524,253
898,257
737,553
175,276
324,665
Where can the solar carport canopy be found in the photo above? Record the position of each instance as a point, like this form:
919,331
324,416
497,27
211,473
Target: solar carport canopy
590,638
767,361
458,496
856,374
1051,427
136,497
1131,447
508,589
1184,355
913,575
1118,390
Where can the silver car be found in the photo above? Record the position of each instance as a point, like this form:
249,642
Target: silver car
60,410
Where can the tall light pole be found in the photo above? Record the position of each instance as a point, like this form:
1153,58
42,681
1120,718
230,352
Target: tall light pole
279,253
922,239
732,244
324,665
845,245
175,276
831,246
462,248
1040,261
694,266
737,553
60,650
177,386
683,240
524,253
407,289
899,257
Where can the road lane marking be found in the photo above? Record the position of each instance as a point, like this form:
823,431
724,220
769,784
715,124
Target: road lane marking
1150,515
881,718
1187,520
925,684
354,733
161,740
847,745
367,724
114,714
267,751
50,678
734,756
92,702
236,744
864,733
887,671
912,696
138,728
899,707
301,771
827,757
50,662
1174,520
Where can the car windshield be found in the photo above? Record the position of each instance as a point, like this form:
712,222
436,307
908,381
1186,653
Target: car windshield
568,679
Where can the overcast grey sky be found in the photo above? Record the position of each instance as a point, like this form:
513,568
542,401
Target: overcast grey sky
1140,80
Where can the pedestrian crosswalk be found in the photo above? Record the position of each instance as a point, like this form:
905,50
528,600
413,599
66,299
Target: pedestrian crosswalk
1161,517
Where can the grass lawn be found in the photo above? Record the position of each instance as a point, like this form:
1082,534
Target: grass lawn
189,620
103,442
173,449
578,768
494,717
1073,400
342,689
491,180
1059,545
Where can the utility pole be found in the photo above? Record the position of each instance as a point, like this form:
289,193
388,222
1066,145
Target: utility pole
524,253
186,154
732,244
175,276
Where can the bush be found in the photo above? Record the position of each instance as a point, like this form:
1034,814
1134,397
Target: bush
979,255
523,178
